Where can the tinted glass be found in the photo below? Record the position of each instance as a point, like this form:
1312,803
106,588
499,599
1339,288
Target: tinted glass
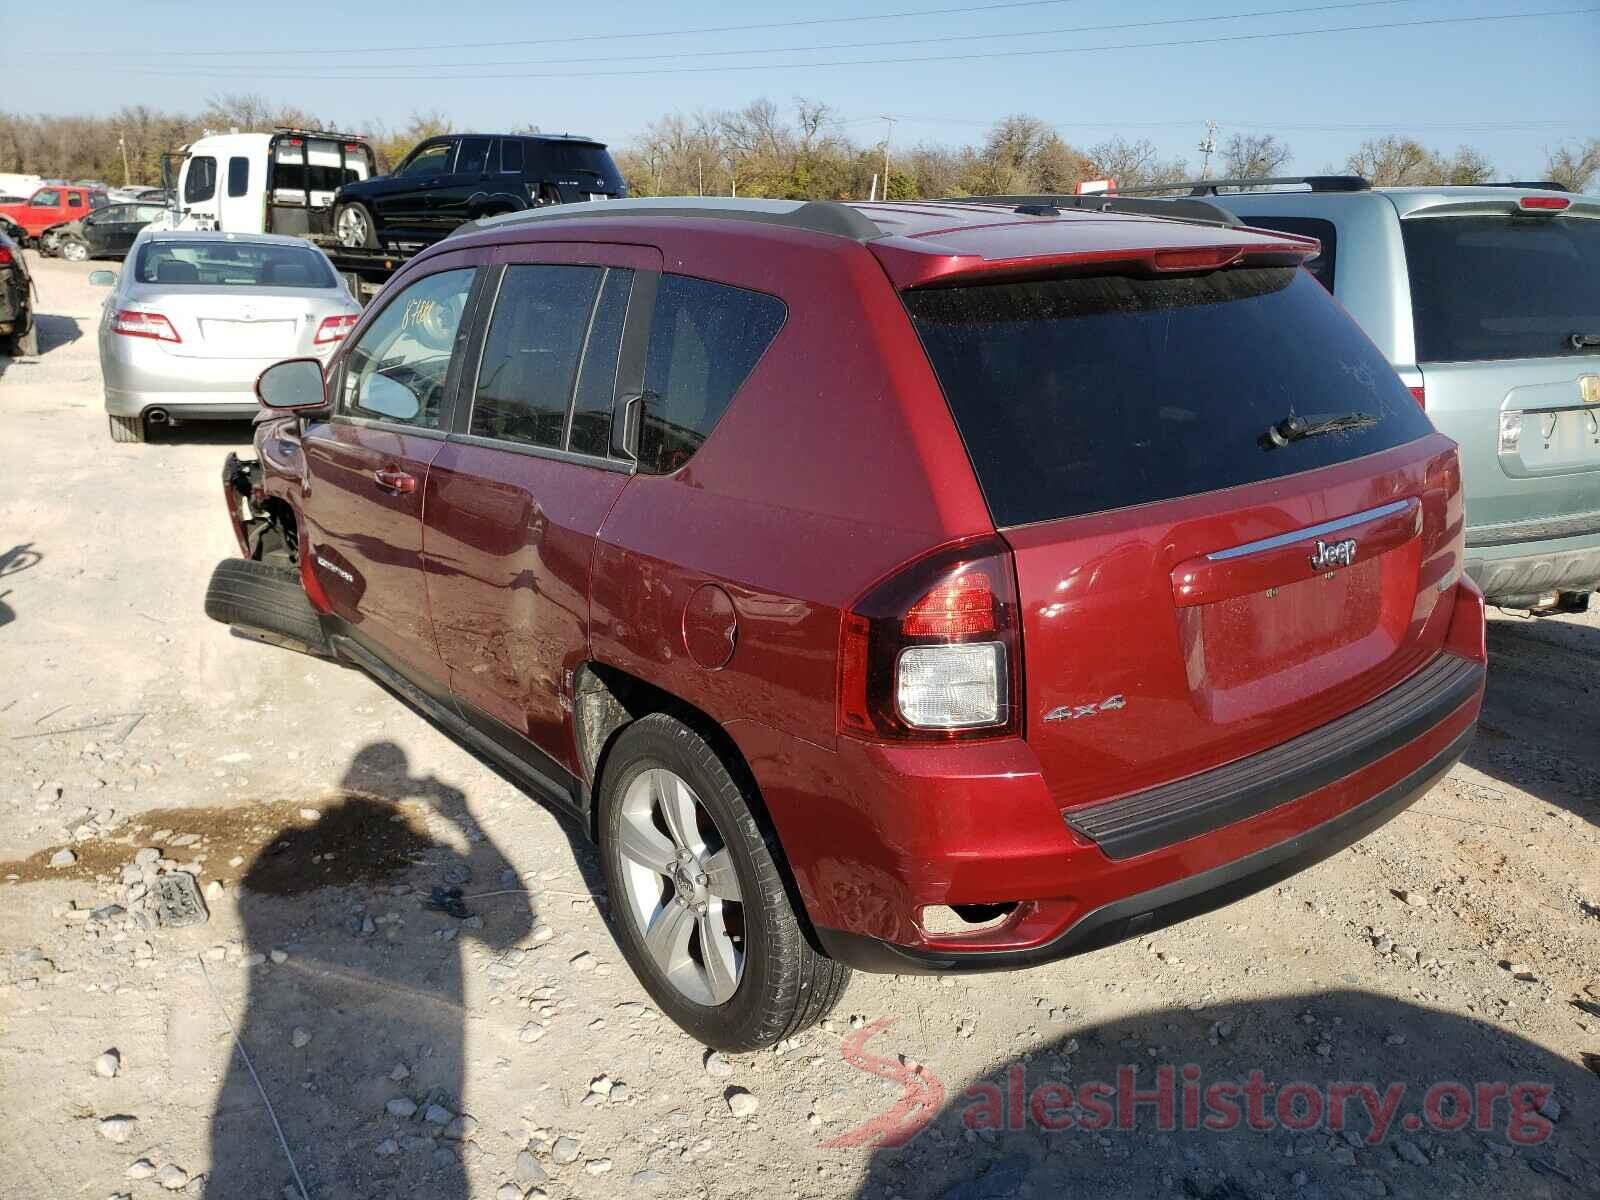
430,160
201,181
1081,395
530,356
98,200
474,156
147,212
238,176
116,214
1500,287
402,361
705,339
218,263
1321,267
47,199
74,199
511,155
597,376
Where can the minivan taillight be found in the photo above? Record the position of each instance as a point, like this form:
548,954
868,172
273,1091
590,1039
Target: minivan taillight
132,323
932,652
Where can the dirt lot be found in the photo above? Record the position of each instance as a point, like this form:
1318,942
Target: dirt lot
407,1052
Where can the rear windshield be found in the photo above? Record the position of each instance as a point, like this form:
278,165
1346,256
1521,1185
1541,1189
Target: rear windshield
590,160
232,264
1078,396
1502,287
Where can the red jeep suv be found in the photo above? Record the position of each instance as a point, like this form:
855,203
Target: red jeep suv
920,587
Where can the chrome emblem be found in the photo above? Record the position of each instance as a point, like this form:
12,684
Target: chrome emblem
1333,554
1589,385
1075,712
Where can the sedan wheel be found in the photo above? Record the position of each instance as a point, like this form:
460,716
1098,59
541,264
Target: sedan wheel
74,251
681,887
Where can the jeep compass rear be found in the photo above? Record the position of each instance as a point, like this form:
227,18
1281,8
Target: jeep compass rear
920,587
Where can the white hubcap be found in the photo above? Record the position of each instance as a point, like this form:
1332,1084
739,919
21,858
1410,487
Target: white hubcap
352,227
682,891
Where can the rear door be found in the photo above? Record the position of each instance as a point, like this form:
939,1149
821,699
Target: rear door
465,190
369,465
1193,588
519,491
1505,304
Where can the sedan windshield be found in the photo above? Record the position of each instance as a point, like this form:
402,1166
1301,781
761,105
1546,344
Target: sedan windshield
232,264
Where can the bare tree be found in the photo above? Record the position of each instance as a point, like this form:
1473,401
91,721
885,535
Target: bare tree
1574,167
1467,166
1394,161
1254,156
1135,164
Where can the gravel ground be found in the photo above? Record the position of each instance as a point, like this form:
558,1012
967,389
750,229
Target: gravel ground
410,1053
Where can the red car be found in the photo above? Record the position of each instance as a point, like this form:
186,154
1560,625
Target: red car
53,204
912,587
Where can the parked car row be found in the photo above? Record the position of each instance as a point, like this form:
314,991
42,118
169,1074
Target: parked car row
911,587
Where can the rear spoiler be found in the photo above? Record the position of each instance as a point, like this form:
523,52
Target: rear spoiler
1050,204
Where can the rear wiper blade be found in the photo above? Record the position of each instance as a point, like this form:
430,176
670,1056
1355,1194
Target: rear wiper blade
1294,427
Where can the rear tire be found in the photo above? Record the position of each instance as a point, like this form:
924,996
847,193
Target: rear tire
126,429
354,227
264,599
782,984
73,249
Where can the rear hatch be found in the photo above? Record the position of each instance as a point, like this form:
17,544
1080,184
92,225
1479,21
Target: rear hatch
1192,590
1506,305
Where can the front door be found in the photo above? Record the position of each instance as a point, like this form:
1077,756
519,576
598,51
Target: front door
369,463
466,189
404,201
520,490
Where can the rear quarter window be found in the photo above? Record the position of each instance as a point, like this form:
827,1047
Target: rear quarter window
705,339
1322,266
1497,287
1079,396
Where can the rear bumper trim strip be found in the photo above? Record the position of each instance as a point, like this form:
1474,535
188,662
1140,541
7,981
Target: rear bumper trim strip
1310,531
1174,812
1534,531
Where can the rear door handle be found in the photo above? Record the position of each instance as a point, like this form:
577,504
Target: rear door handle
393,480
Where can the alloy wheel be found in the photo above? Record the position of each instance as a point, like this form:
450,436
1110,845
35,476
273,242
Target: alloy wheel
74,251
682,890
352,228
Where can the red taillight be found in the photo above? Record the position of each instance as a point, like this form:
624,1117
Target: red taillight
5,256
132,323
1544,203
335,329
932,653
1420,396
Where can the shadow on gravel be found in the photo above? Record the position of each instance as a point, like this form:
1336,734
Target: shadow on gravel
56,332
1243,1101
366,1011
13,561
203,433
1539,712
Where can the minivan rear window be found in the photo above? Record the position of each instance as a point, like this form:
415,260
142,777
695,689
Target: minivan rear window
1078,396
1494,287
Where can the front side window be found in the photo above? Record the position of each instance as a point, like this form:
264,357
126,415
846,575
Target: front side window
432,159
47,199
705,339
531,354
397,371
201,181
238,175
117,214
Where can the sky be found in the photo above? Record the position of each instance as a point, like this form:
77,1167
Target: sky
607,69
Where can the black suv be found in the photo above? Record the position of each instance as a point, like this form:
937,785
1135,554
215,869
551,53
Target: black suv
448,181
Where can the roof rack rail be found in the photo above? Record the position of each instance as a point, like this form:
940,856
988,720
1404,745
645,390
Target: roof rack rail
1046,204
1209,187
1544,185
324,133
816,216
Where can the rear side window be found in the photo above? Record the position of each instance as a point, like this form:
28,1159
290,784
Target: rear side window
474,156
597,377
1321,267
511,156
705,339
238,176
531,354
201,181
74,200
1486,288
1079,396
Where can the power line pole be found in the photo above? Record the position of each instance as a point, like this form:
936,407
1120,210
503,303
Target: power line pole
1208,147
887,134
122,144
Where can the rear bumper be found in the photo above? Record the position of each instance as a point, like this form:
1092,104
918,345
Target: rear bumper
877,835
1515,565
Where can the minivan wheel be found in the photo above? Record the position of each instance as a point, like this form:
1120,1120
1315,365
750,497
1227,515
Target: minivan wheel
700,908
354,227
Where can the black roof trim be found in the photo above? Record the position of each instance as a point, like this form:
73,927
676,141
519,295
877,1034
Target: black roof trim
815,216
1208,187
1175,208
1540,185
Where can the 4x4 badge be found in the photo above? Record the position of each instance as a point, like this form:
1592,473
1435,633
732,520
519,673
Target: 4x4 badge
1073,712
1333,554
